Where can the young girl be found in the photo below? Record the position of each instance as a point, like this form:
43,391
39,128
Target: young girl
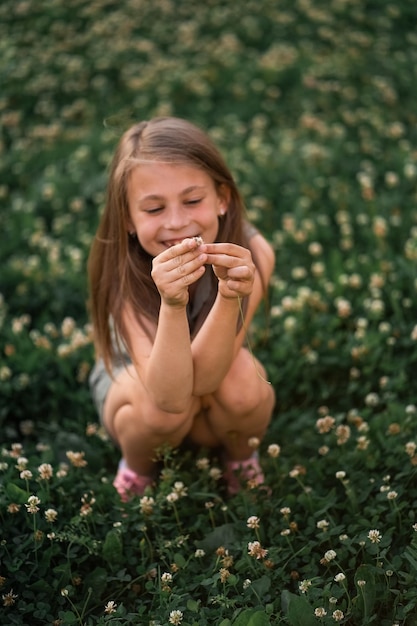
173,269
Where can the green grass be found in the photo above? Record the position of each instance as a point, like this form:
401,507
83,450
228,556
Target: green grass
313,105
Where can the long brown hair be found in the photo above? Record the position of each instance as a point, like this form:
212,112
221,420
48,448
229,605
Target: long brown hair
119,268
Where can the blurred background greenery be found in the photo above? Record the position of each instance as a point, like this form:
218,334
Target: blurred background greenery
313,104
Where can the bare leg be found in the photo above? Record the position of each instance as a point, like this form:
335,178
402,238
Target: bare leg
240,409
138,426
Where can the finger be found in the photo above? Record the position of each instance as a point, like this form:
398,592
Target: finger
231,249
224,260
190,243
185,279
242,272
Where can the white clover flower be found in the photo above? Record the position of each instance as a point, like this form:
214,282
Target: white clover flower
175,617
203,463
5,373
372,399
392,495
67,326
380,226
247,583
76,458
410,448
255,549
317,269
304,586
340,475
322,524
343,432
9,598
361,583
374,536
325,424
180,489
338,615
215,473
32,505
290,323
172,497
21,463
362,443
343,306
26,474
45,471
274,450
253,522
315,248
166,578
146,504
51,515
298,273
340,577
320,612
384,327
110,607
311,356
330,555
199,553
391,179
288,304
16,451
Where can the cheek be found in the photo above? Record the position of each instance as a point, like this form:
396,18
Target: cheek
211,231
145,235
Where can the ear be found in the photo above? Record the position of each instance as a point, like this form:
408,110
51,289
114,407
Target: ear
223,194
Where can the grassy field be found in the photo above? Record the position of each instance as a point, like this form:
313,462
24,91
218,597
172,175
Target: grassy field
312,102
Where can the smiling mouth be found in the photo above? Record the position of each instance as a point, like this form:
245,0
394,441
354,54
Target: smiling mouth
174,242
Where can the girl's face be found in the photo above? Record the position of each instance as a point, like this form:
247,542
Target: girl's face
169,202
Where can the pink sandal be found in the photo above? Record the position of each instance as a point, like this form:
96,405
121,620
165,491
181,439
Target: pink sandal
238,473
128,483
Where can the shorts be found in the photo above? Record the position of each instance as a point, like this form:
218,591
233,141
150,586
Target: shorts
100,382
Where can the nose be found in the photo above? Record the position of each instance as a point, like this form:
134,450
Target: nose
176,218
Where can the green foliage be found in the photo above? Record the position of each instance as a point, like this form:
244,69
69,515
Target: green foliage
313,105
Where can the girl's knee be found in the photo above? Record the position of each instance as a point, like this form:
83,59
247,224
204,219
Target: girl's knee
151,421
245,388
167,424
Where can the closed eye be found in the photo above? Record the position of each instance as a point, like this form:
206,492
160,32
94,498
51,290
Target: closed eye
194,201
154,210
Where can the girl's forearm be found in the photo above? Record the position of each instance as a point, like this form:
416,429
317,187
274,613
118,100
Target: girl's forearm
213,348
169,372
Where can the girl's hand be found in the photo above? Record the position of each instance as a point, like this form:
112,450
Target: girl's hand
176,268
233,266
